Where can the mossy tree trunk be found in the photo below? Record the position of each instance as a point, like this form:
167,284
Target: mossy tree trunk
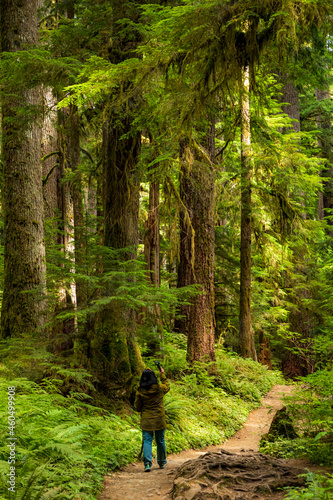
71,153
151,316
247,346
152,235
196,265
78,211
51,167
291,108
325,202
300,317
23,306
73,216
50,153
115,354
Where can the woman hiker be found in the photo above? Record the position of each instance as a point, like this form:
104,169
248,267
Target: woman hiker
149,401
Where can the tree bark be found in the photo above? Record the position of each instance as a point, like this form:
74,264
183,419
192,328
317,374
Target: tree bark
300,319
265,354
325,201
50,164
23,307
291,108
152,259
247,346
152,235
115,354
196,265
121,190
72,195
73,219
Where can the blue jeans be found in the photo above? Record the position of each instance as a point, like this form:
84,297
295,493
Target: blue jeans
147,437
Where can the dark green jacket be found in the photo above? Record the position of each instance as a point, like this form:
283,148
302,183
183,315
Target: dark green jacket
150,403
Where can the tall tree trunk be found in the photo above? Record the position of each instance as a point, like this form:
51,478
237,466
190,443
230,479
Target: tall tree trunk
23,306
152,259
77,197
115,354
300,320
121,190
247,346
196,265
325,202
73,160
68,146
291,108
51,167
152,234
114,350
50,153
73,198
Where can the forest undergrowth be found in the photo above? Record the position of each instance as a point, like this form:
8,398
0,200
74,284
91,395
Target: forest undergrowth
306,431
65,443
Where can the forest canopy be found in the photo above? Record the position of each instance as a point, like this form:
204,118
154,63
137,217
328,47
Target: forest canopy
167,167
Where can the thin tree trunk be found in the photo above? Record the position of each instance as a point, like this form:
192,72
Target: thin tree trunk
325,202
196,265
73,196
23,306
63,332
73,159
300,319
247,346
152,235
152,316
77,197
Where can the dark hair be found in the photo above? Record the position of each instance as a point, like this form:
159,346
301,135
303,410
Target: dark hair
148,378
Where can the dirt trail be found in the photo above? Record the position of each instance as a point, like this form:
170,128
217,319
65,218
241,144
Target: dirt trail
131,483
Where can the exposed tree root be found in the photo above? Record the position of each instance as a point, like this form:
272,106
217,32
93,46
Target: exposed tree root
230,476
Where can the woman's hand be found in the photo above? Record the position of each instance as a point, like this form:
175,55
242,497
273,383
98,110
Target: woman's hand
161,370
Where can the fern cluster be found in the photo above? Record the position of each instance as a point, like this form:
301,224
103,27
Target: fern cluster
64,445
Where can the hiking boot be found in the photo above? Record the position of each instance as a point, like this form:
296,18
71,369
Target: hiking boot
147,468
162,466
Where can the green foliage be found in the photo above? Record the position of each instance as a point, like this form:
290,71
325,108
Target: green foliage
310,408
199,414
318,487
244,377
190,55
65,444
123,282
174,354
209,402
